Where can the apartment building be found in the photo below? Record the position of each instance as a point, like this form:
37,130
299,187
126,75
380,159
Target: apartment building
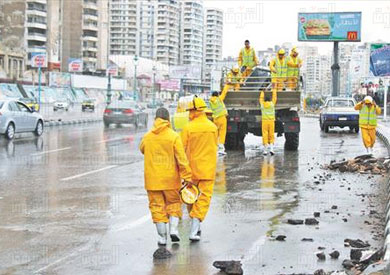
212,40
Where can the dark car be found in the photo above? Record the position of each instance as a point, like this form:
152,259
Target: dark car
125,112
339,112
88,104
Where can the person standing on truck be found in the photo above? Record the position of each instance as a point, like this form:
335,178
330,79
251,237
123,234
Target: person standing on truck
294,63
278,67
165,165
267,105
247,59
220,118
233,80
368,112
200,139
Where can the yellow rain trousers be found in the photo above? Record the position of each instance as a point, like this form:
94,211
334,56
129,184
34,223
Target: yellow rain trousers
165,165
200,139
369,136
221,123
163,204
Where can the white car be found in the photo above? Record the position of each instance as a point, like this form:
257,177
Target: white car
61,104
17,117
339,112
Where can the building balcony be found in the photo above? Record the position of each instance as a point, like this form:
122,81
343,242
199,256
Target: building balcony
36,49
44,2
89,59
90,49
90,5
36,25
37,37
90,27
90,38
91,17
36,12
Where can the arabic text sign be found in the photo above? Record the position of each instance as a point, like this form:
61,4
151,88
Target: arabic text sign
75,65
185,72
38,60
336,26
380,59
170,85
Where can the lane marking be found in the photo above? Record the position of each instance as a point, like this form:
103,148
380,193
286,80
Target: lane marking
51,151
254,252
133,224
112,139
88,173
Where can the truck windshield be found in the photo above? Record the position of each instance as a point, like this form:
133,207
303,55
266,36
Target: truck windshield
340,103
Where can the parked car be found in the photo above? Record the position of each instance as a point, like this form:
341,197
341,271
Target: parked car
61,104
124,112
31,103
339,112
17,117
88,104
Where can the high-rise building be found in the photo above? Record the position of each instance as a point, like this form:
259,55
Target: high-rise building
167,31
212,40
192,32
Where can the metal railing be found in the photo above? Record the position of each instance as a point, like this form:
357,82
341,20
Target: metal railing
257,83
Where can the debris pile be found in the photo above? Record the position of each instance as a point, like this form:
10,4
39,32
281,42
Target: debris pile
364,164
229,267
161,254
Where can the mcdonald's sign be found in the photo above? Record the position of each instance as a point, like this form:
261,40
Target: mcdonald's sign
352,36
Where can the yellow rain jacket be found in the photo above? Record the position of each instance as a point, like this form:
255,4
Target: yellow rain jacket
374,109
165,160
200,139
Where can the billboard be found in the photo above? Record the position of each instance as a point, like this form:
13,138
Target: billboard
169,85
334,26
112,70
380,59
59,80
75,65
38,60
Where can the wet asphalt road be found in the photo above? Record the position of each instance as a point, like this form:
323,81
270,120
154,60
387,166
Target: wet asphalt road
73,202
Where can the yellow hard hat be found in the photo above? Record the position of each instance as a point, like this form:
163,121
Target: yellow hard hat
281,51
294,50
189,195
197,104
235,69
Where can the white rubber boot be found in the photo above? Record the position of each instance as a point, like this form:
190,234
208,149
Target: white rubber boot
195,226
265,150
173,231
221,149
162,233
271,149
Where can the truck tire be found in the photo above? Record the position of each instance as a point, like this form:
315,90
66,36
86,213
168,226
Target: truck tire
292,141
234,141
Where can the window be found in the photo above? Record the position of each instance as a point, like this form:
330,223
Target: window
22,107
13,107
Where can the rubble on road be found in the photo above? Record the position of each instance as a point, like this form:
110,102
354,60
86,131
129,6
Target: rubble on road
229,267
321,256
364,164
335,254
357,243
294,222
161,253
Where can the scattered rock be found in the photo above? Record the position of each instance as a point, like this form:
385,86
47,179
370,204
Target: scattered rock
355,254
321,248
334,207
348,264
294,222
307,240
357,243
280,238
229,267
335,254
320,272
365,164
311,221
321,256
317,214
345,220
162,253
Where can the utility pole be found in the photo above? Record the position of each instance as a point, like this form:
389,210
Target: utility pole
335,70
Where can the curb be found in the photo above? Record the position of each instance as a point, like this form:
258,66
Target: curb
385,138
52,123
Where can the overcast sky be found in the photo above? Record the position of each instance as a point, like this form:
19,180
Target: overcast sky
270,22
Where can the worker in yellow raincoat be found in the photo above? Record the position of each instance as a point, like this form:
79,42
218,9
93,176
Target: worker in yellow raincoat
233,80
220,118
200,140
166,164
247,59
278,67
368,111
294,63
267,106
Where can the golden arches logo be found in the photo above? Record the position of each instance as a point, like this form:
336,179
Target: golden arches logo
352,36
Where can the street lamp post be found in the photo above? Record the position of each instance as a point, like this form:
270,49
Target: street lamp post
154,84
109,94
135,77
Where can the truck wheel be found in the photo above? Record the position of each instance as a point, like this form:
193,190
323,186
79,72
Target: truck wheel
357,130
292,141
321,125
326,129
